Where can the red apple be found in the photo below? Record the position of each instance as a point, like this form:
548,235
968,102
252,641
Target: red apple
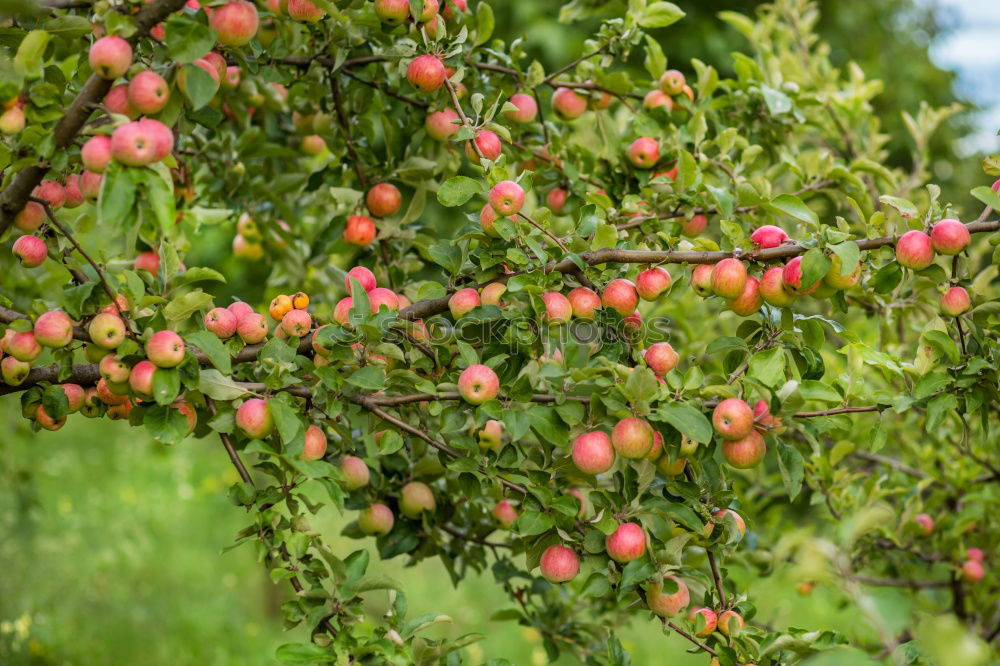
96,153
925,523
24,347
148,92
729,278
252,328
221,322
955,301
557,308
506,197
704,621
772,288
440,125
236,23
165,349
651,283
30,217
296,323
914,250
315,443
463,301
114,369
730,623
620,295
376,520
383,200
626,543
110,57
744,453
415,499
559,564
567,104
701,279
657,98
644,152
527,109
834,276
360,230
392,12
31,251
593,453
140,379
949,237
669,604
791,278
426,73
380,297
768,236
972,571
556,199
106,330
133,144
505,513
694,227
491,435
584,302
749,301
53,328
672,82
661,358
632,438
478,384
733,419
13,371
355,472
254,418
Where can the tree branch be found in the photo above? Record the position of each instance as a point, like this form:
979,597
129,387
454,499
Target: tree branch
13,199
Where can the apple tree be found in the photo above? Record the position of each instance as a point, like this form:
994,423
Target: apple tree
614,331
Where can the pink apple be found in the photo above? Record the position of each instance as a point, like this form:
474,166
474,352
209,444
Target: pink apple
729,278
221,322
556,199
24,347
557,308
304,10
955,301
392,12
133,144
12,121
694,226
236,23
360,230
30,217
74,195
426,73
254,418
527,109
380,297
376,520
53,329
415,499
312,144
744,453
52,192
107,331
90,185
972,571
383,200
440,125
342,311
749,301
505,513
768,236
925,523
584,302
772,288
162,136
657,98
252,328
315,446
492,293
661,358
364,277
296,323
651,283
506,197
791,277
478,384
491,435
489,145
704,621
140,379
632,438
559,564
722,514
567,104
165,349
110,57
31,251
463,301
732,418
593,453
976,554
730,622
672,82
75,396
355,472
113,369
14,372
701,279
949,237
667,604
148,92
96,153
914,250
626,543
644,152
116,101
620,295
240,309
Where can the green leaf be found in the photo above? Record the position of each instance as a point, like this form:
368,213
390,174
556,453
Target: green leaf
815,265
849,254
791,466
186,39
635,572
655,62
55,402
531,523
660,15
768,366
185,305
303,653
370,378
641,384
28,60
69,27
987,196
905,207
938,408
446,254
458,190
197,274
777,102
217,386
166,385
286,419
213,348
117,196
199,86
484,23
687,420
791,205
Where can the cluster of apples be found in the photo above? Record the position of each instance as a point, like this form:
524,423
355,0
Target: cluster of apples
916,250
382,200
644,152
972,569
741,428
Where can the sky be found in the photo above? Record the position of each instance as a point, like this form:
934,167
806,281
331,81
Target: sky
971,49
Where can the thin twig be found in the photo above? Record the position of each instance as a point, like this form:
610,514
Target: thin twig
552,237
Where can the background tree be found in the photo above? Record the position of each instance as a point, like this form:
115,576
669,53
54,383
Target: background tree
482,342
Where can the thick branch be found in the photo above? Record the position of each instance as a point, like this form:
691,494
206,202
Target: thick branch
13,198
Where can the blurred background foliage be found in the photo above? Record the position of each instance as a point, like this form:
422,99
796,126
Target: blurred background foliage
112,546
